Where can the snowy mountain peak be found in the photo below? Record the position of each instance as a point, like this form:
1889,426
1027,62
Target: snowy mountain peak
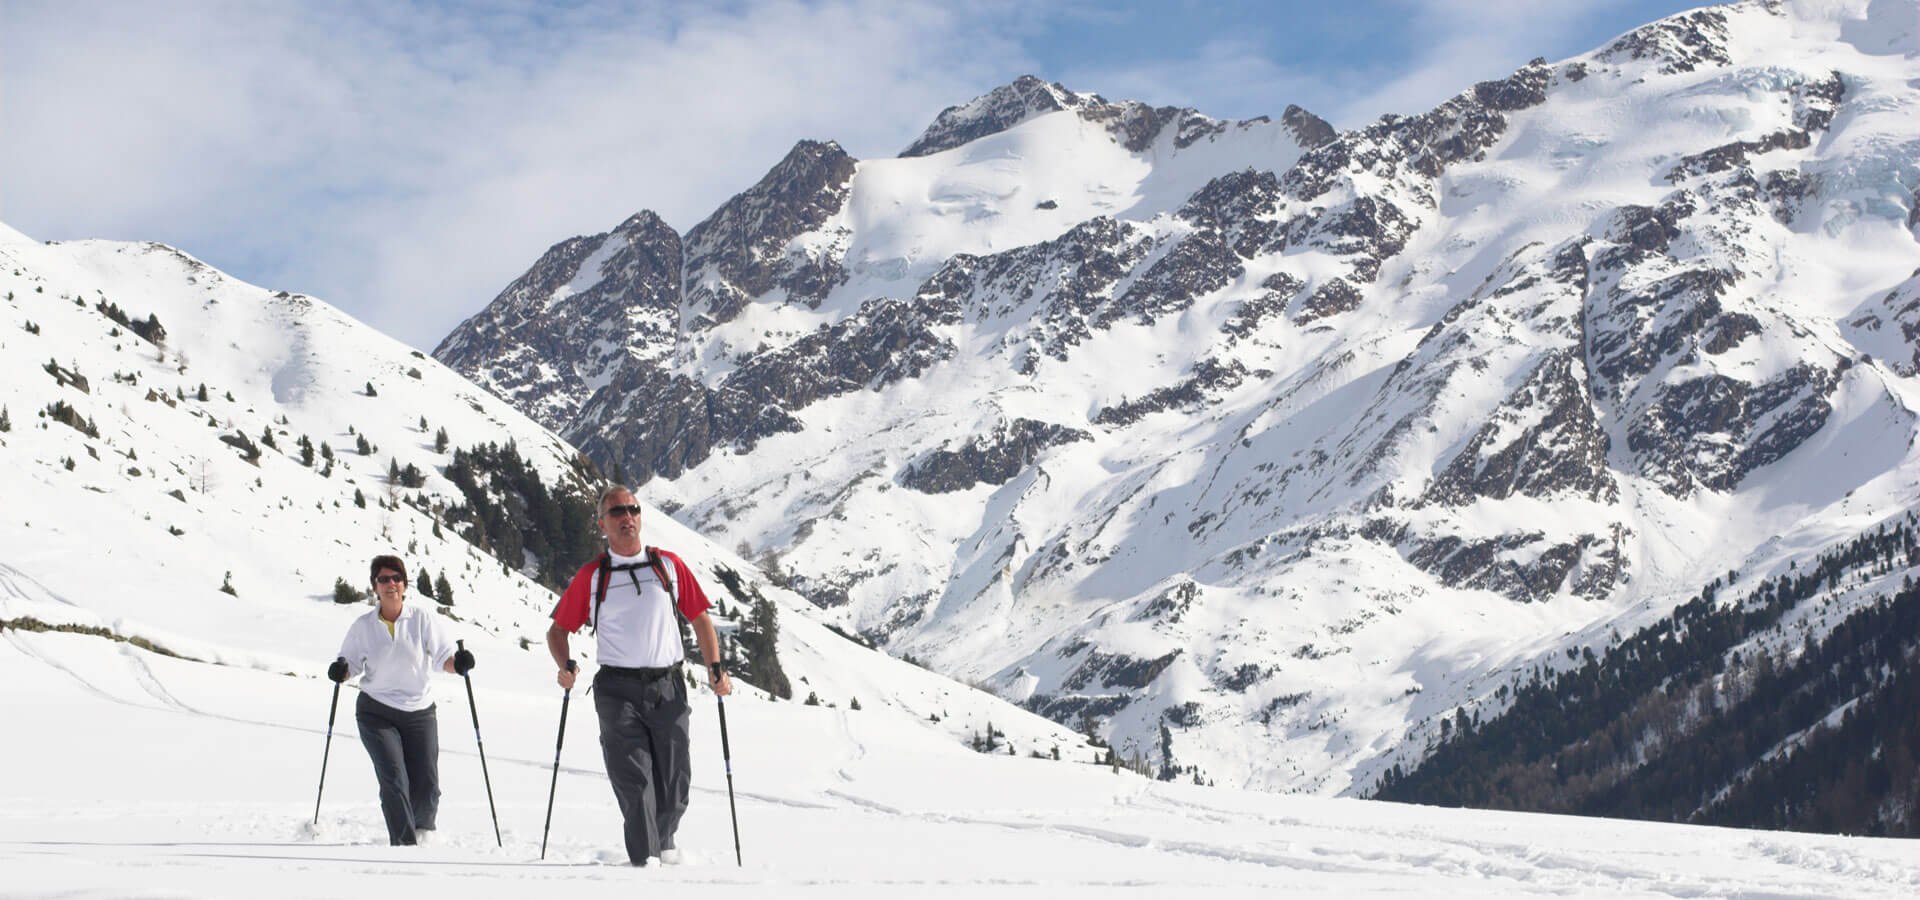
1308,129
996,111
1075,387
738,253
1134,125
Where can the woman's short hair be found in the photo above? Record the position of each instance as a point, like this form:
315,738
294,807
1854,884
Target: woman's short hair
385,562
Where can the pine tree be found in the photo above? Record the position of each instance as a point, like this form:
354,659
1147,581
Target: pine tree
440,441
442,591
359,499
306,451
201,395
226,586
370,391
362,445
266,437
6,422
326,451
424,585
344,593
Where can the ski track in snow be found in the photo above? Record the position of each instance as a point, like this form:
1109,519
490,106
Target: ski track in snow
1215,848
11,579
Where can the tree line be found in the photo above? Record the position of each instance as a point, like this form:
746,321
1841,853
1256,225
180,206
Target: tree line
1674,724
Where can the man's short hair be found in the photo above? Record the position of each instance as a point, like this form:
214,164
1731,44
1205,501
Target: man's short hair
385,562
600,509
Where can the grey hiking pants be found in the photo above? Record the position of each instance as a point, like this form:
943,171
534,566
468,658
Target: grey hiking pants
405,747
643,736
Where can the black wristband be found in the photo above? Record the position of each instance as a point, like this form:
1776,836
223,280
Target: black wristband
717,669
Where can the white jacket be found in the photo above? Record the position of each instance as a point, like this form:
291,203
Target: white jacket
396,666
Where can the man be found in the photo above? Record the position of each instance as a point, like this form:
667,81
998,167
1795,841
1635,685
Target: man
393,646
629,595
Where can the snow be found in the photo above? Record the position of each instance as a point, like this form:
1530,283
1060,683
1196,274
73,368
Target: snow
1246,495
159,777
133,773
589,273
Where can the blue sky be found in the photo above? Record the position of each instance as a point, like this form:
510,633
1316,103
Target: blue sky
405,160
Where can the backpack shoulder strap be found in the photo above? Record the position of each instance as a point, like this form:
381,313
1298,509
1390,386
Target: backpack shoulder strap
658,561
603,569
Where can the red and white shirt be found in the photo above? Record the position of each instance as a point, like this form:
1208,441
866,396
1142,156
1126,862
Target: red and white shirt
636,626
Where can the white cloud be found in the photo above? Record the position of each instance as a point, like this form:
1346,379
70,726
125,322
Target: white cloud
406,161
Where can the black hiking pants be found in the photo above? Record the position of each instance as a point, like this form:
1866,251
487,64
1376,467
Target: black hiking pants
405,747
643,736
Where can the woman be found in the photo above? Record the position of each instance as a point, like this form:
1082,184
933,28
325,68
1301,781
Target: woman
393,646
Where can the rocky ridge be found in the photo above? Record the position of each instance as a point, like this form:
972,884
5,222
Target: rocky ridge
1198,471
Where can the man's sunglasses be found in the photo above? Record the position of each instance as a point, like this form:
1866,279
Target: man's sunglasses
390,579
615,512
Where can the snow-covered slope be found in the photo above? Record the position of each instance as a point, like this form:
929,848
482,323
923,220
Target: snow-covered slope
170,739
158,777
131,519
1265,448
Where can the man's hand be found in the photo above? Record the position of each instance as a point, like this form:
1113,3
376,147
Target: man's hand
567,675
338,671
718,680
462,661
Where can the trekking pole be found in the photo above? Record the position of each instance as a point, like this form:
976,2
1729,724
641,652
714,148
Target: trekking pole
557,744
726,753
462,645
332,709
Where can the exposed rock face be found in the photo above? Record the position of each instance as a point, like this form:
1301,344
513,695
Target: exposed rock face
740,252
1713,431
1210,378
1541,442
665,424
1521,566
1069,281
994,112
1481,356
1136,126
589,307
1309,129
1814,104
993,458
1897,315
1679,44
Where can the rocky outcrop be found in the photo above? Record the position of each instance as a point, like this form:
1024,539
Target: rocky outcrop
1714,430
1308,129
589,307
1680,43
1210,379
1542,441
1814,105
991,458
1522,566
994,112
741,252
1135,126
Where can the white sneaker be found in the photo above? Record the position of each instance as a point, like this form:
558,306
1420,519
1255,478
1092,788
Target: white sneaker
424,837
672,856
